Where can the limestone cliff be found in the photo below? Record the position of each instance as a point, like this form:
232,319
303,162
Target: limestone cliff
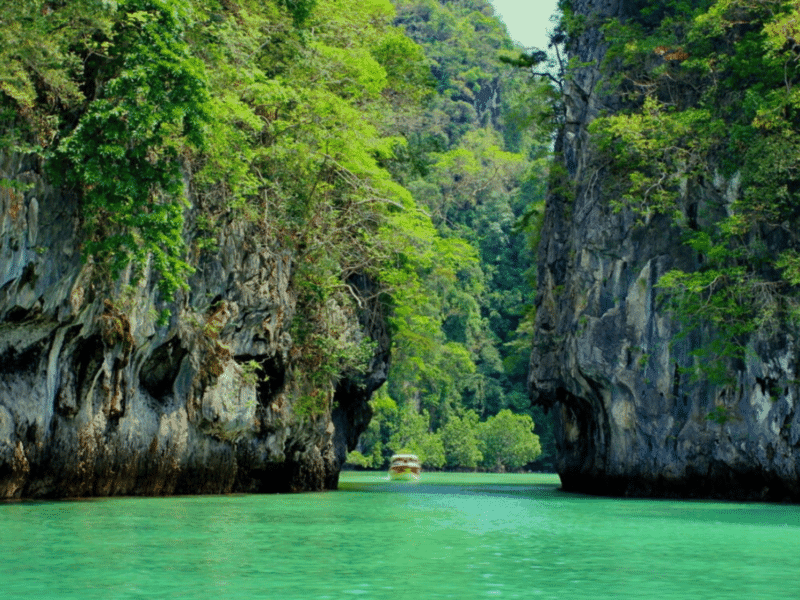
97,398
607,358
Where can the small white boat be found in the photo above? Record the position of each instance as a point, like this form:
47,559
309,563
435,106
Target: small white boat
405,467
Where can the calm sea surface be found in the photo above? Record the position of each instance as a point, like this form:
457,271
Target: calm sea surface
453,536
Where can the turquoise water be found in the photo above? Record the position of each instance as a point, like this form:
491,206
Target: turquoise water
453,536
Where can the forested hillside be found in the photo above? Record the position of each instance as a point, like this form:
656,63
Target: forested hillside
476,162
379,166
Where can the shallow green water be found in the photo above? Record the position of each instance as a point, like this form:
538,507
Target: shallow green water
453,536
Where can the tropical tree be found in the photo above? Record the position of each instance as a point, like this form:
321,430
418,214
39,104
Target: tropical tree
509,441
412,435
460,441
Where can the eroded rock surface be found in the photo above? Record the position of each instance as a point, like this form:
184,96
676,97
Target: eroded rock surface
607,359
97,398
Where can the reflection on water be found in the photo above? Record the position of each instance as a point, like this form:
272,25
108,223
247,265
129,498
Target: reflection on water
450,536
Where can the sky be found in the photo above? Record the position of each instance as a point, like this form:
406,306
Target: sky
527,20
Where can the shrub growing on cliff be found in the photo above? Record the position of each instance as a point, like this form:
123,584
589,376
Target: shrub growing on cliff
123,153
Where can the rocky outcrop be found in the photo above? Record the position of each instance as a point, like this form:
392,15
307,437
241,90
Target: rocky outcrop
607,357
97,398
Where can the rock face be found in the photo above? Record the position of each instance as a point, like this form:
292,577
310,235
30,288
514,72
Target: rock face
97,399
607,357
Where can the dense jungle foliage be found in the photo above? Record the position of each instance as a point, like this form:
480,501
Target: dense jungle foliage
364,137
710,137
